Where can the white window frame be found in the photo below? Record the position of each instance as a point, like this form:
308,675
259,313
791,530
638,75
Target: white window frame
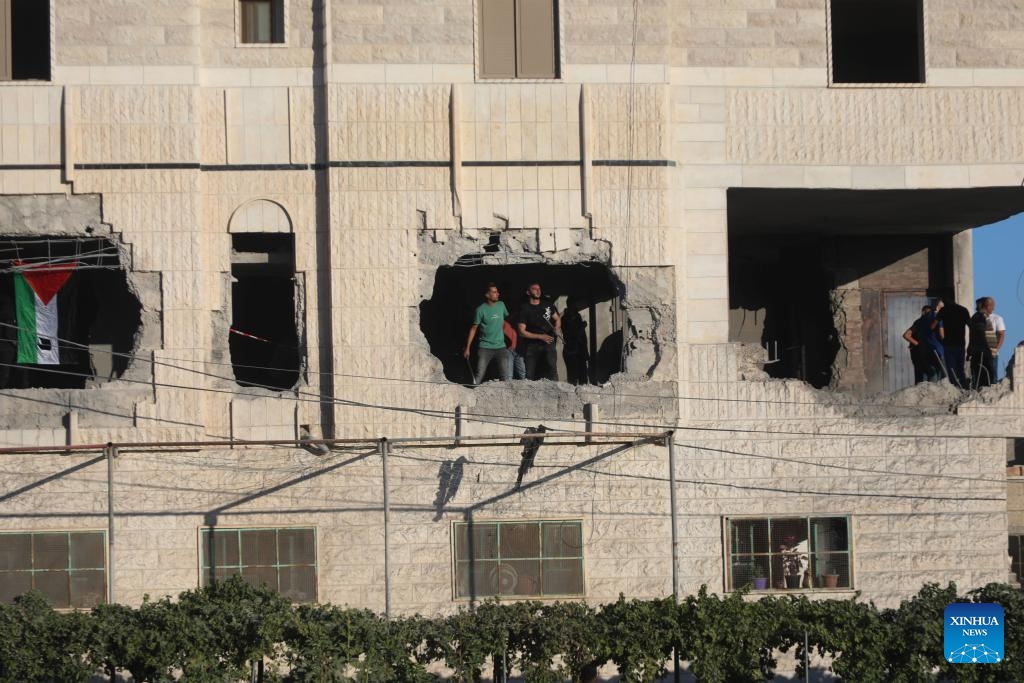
285,9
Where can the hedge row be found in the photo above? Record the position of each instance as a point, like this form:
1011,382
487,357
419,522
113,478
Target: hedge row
215,633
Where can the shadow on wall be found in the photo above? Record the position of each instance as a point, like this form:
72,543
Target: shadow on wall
585,294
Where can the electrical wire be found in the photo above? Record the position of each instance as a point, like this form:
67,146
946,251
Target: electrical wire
403,380
500,419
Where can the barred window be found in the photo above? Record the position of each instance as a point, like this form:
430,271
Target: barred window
520,559
789,552
283,559
68,567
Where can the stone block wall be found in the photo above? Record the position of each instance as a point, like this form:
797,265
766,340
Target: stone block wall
397,158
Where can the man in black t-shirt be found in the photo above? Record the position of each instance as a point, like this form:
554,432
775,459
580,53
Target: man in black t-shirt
954,318
538,327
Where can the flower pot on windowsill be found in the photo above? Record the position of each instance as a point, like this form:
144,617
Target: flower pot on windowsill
793,580
829,580
761,583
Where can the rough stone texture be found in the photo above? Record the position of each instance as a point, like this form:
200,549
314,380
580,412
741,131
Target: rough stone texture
732,92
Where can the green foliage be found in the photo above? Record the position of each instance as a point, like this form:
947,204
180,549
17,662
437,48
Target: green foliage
232,625
732,639
640,635
218,633
39,644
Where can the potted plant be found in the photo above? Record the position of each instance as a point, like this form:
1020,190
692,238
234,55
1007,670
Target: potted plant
828,578
793,560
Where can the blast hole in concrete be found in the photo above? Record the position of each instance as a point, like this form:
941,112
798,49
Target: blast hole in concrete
586,296
828,280
877,41
97,315
264,341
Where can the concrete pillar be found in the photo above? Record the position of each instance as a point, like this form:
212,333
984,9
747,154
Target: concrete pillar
963,268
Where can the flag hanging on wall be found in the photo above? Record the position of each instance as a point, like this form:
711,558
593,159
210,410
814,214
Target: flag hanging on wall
35,305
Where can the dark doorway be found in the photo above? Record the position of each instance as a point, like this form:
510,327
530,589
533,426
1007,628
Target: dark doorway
263,338
585,295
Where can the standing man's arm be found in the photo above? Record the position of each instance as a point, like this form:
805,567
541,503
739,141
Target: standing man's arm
469,340
909,336
556,322
1000,338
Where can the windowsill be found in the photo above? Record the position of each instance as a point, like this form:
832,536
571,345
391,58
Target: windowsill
481,79
272,46
877,85
521,598
26,81
801,591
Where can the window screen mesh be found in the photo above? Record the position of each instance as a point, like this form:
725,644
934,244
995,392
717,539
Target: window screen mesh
764,552
519,559
282,559
69,568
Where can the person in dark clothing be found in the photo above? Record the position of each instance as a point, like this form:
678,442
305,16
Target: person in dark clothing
954,318
925,339
574,332
539,326
984,343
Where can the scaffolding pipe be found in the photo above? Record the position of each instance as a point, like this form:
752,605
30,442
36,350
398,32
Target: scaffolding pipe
111,454
387,520
674,513
579,439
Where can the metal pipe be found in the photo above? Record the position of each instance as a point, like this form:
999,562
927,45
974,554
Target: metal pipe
387,520
298,443
675,513
670,444
111,454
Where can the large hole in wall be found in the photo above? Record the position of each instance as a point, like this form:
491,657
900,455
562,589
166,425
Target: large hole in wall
67,314
585,295
264,340
827,281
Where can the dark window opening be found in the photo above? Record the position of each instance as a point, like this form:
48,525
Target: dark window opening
586,296
877,41
25,34
263,338
67,315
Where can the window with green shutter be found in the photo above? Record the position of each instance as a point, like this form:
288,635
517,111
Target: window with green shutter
283,559
68,567
518,559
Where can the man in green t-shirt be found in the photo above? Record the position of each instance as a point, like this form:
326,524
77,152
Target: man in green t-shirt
489,319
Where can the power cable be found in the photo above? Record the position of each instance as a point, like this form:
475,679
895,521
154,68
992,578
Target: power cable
403,380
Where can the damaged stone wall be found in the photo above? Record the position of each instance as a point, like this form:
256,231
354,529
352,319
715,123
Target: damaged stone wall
642,314
108,401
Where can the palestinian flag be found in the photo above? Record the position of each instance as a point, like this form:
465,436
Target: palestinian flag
35,305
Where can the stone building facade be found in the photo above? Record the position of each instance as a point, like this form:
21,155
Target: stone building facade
282,211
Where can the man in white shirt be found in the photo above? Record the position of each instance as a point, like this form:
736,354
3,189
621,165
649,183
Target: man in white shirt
985,363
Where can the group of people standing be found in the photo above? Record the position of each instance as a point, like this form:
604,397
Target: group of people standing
531,349
939,343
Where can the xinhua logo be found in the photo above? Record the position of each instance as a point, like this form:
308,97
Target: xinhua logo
973,633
